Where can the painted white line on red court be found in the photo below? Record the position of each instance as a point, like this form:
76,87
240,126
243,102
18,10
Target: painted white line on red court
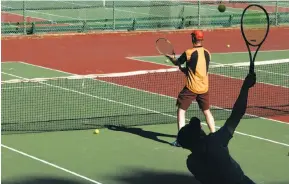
221,64
226,53
146,61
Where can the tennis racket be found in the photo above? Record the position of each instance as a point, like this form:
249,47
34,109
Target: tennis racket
165,47
255,28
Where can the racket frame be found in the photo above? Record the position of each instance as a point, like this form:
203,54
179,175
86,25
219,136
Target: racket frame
248,44
167,42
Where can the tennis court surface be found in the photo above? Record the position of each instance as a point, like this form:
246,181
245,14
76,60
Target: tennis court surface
57,83
62,16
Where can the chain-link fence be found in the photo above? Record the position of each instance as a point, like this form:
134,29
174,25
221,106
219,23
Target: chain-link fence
29,17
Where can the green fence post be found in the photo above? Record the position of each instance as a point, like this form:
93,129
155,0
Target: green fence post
32,29
24,18
84,26
182,26
276,14
199,13
132,28
134,24
230,20
113,14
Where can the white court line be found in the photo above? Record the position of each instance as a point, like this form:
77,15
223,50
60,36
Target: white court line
117,9
264,71
94,96
141,13
50,164
205,7
145,61
154,93
2,62
22,62
226,53
157,93
215,9
22,87
20,15
264,63
43,14
93,181
142,108
55,15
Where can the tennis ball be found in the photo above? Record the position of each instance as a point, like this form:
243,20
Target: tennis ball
96,131
222,8
228,46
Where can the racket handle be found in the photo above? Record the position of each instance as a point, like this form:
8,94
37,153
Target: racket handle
252,67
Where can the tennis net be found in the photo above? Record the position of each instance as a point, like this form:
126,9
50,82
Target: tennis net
135,98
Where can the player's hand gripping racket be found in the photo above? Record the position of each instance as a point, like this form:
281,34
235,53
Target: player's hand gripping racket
255,29
165,47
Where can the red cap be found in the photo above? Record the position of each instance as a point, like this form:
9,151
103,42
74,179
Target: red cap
199,35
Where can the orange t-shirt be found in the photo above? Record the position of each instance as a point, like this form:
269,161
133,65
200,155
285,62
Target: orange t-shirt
197,61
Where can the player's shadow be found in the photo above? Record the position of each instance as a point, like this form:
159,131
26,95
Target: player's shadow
140,176
140,132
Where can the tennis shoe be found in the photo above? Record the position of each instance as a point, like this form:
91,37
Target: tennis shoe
176,144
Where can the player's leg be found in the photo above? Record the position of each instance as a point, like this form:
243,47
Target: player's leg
181,114
210,120
181,118
184,101
204,104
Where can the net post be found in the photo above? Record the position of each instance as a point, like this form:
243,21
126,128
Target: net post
24,17
199,13
276,13
113,14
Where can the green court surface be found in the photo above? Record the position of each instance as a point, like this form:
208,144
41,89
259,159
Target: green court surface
131,155
55,11
284,4
102,13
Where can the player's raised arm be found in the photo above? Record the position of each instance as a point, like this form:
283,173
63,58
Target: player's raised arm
240,105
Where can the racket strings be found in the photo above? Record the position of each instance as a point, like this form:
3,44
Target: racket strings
164,47
255,37
255,25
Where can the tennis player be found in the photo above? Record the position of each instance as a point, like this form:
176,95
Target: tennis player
210,161
197,61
